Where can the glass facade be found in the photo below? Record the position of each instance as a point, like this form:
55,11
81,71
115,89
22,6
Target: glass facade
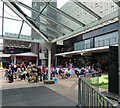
100,41
82,45
106,40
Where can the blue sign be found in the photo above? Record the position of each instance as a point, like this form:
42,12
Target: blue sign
100,31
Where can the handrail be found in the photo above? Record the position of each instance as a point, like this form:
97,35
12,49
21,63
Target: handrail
84,93
98,92
96,43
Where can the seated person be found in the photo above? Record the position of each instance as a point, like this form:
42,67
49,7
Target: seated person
79,72
33,76
67,73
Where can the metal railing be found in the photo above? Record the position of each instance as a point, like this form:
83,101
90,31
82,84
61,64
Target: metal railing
82,46
100,43
88,96
106,42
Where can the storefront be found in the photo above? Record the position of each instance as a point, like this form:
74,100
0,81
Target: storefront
28,57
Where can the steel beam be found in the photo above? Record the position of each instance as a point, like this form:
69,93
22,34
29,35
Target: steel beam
65,14
48,26
117,2
51,19
15,9
86,9
10,18
45,32
20,29
45,16
42,10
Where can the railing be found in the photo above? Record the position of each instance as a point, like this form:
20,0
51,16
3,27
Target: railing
88,96
100,43
106,42
83,46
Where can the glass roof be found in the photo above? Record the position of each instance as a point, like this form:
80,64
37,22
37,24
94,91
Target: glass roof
42,19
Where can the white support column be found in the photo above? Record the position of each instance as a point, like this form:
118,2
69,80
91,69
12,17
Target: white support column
1,66
36,61
48,46
49,63
14,59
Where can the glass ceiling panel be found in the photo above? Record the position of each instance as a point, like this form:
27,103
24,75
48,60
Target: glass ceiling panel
54,25
11,27
56,22
26,30
49,31
26,11
39,6
27,2
10,14
78,13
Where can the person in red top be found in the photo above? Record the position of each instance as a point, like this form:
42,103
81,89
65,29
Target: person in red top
43,72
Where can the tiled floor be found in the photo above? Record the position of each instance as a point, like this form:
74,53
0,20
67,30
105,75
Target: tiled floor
65,90
34,96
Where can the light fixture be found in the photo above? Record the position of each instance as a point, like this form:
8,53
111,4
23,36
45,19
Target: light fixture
81,53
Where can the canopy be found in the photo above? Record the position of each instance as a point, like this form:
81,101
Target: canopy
5,55
50,23
27,54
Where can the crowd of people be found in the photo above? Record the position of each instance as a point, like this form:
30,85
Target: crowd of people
25,72
35,73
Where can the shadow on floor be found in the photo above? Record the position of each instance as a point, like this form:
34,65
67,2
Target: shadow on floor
33,96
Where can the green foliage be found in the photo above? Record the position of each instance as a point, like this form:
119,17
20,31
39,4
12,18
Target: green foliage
103,80
104,86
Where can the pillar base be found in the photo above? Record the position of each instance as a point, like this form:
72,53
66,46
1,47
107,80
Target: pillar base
49,82
1,67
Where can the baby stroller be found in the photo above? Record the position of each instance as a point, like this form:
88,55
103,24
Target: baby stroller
33,76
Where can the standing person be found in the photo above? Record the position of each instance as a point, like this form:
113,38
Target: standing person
10,76
28,71
66,64
12,68
71,65
39,73
23,67
43,72
15,71
19,72
6,72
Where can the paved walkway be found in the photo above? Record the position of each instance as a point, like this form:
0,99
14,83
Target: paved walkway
63,93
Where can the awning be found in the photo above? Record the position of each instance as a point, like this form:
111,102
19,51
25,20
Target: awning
5,55
85,51
27,54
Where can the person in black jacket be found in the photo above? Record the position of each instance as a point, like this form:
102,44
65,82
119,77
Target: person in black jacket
10,76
